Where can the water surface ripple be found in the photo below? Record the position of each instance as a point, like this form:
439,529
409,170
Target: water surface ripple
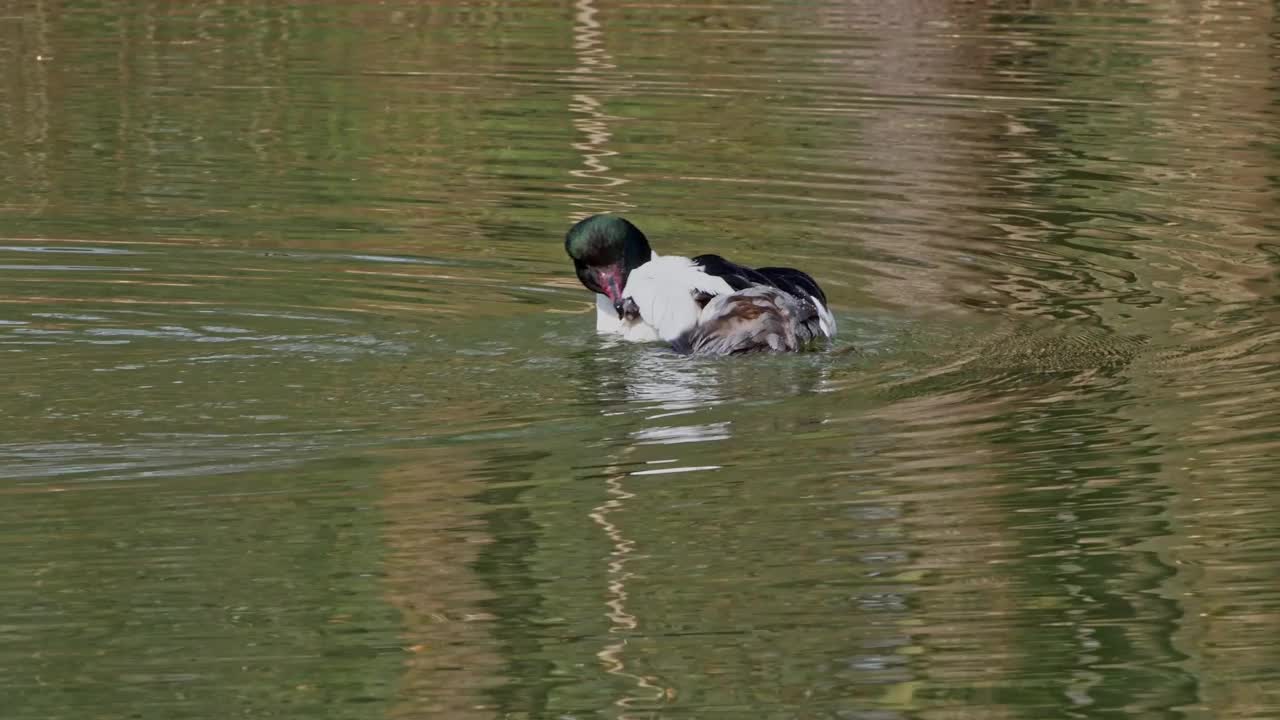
305,415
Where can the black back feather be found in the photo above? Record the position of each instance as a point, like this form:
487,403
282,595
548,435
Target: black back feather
796,282
739,277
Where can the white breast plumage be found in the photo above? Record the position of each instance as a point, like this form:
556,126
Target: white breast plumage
664,291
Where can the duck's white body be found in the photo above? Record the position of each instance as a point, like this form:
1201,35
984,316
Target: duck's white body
664,292
664,295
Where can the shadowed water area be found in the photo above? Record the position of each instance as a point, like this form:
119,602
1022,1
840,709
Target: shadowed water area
304,415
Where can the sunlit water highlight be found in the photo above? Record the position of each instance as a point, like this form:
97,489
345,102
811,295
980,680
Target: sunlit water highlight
305,415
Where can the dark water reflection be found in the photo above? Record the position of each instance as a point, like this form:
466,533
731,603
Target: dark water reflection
305,416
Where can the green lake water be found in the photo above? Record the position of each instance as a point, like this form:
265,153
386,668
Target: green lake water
304,416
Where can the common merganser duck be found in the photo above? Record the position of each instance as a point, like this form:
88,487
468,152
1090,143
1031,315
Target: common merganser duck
702,306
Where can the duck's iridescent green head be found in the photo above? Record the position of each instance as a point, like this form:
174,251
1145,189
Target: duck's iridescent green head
605,249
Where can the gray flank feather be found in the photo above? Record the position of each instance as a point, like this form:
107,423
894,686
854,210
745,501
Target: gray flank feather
756,319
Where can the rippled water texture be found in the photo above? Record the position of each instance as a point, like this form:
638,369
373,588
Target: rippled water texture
304,415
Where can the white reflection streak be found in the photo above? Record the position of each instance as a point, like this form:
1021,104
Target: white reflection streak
679,434
592,121
620,620
674,470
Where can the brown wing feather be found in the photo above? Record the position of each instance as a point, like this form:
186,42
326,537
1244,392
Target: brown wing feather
757,319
